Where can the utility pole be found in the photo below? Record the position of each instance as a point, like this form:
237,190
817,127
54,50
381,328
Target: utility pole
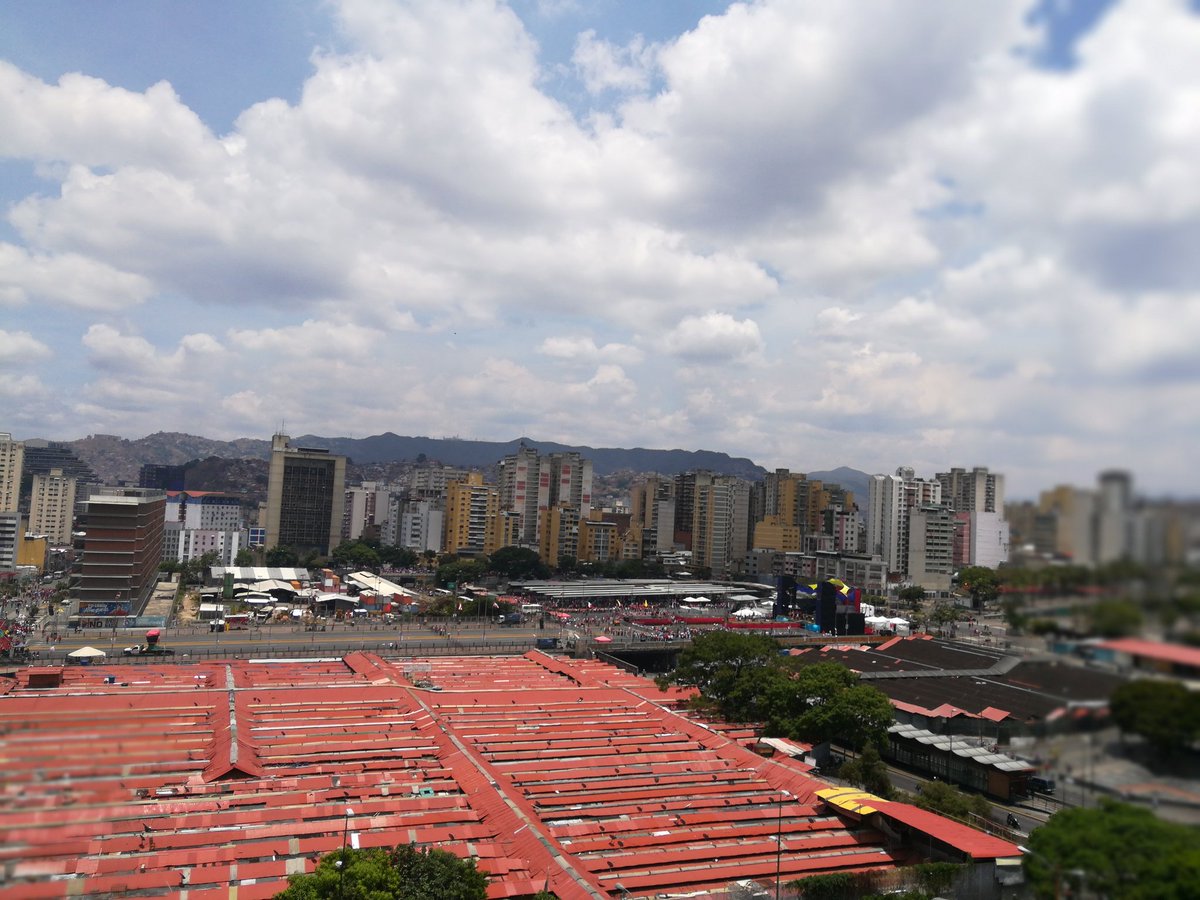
779,846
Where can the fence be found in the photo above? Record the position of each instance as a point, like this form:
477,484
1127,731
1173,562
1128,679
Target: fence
400,650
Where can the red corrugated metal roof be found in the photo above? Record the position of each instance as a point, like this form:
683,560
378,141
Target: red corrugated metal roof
1173,653
571,774
967,840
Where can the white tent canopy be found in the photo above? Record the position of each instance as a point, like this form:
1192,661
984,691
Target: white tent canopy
750,613
274,584
87,653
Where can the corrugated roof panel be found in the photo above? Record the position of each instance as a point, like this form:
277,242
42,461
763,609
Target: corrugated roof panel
483,767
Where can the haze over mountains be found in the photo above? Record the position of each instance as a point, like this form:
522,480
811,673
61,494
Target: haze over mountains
115,458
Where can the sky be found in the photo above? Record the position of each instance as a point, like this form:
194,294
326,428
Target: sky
809,232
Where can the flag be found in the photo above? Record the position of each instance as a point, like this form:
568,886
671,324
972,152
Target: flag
618,603
460,606
589,604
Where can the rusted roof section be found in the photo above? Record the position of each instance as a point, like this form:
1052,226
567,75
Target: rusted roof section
205,779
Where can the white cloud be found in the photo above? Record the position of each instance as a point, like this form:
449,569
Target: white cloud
584,349
85,121
911,255
605,66
66,280
714,338
21,348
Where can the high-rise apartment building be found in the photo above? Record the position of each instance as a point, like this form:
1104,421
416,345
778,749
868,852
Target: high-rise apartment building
10,541
559,534
652,507
475,523
41,457
1074,513
930,561
975,491
420,525
530,484
1114,517
200,522
366,509
686,486
305,498
980,539
12,456
519,477
889,500
720,524
52,507
122,547
598,539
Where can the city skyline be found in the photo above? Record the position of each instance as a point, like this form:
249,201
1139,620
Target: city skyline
864,236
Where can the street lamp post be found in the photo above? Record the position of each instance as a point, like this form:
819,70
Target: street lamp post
779,845
341,863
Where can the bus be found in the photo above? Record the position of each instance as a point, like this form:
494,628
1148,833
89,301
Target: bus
531,609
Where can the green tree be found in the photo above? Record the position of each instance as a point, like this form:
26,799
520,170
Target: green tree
939,797
518,563
913,596
714,663
1115,850
1165,713
404,872
245,557
869,772
1114,618
1014,614
282,557
856,716
946,614
192,570
743,678
460,571
398,557
355,555
981,583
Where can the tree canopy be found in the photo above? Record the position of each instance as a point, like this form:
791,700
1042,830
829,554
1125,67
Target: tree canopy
404,872
981,583
1115,618
1115,850
518,563
940,797
282,557
1165,713
743,678
460,571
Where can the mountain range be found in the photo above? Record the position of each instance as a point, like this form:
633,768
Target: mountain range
115,458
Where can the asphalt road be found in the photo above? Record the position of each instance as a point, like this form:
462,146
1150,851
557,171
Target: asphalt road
275,638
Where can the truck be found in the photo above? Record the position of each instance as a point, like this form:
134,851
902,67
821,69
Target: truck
151,648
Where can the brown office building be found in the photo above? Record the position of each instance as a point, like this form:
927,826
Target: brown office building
122,547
